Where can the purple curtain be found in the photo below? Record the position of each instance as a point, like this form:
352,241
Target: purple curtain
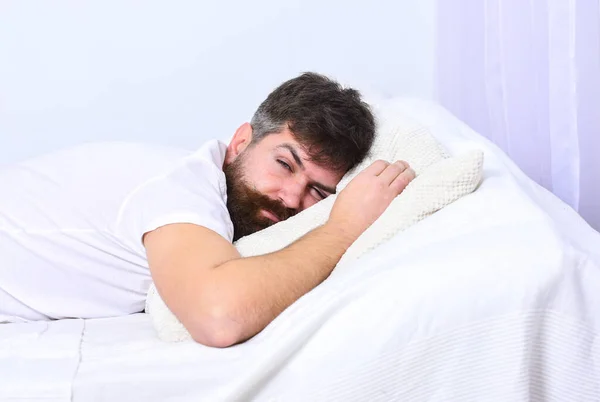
526,74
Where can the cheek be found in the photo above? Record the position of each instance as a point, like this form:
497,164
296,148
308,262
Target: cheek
264,177
309,201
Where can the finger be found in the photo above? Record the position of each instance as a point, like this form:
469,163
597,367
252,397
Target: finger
376,167
392,171
402,163
405,163
402,180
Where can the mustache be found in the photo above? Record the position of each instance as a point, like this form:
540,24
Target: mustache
276,207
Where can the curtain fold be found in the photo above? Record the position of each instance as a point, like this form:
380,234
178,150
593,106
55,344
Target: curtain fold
526,74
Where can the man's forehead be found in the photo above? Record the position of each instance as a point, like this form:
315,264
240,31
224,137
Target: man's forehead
285,141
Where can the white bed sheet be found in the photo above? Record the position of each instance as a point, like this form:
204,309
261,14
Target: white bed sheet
496,297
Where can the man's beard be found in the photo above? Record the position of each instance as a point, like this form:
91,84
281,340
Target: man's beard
245,203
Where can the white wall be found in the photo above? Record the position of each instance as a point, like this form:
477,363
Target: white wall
179,72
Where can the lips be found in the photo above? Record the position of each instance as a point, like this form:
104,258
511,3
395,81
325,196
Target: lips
270,215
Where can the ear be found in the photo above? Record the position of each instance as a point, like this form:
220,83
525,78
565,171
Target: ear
240,141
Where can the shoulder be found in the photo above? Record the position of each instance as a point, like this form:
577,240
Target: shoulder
193,191
201,168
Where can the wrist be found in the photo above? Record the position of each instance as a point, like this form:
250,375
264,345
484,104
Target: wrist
341,232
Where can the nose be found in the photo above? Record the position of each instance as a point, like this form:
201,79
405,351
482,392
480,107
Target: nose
291,193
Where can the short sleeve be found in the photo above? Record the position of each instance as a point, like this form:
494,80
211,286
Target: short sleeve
193,192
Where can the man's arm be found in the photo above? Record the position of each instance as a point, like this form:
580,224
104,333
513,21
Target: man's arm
223,299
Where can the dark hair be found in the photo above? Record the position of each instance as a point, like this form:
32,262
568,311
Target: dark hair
332,123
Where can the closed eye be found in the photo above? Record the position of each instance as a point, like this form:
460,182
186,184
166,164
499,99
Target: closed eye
320,194
285,165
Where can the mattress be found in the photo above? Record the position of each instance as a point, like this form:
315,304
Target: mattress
495,297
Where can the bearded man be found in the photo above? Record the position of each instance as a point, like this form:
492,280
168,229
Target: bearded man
85,231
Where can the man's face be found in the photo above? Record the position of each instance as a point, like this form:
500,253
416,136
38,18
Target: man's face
272,180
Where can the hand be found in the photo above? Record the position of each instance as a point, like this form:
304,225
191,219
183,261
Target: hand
368,195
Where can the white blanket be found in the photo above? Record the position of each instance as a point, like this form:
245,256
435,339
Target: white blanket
495,297
39,360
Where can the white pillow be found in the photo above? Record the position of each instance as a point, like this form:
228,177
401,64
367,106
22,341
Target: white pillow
440,180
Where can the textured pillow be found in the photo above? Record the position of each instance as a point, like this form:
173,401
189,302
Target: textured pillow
440,180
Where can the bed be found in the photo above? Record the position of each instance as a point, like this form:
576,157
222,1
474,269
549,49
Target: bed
495,297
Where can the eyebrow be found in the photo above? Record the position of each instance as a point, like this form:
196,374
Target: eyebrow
292,149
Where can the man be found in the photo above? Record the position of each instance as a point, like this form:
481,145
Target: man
83,232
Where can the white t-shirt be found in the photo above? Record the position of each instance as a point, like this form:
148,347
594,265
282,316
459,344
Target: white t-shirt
71,224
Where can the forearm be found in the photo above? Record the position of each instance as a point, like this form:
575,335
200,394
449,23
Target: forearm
250,292
223,299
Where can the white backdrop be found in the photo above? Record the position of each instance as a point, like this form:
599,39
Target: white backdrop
179,72
526,75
